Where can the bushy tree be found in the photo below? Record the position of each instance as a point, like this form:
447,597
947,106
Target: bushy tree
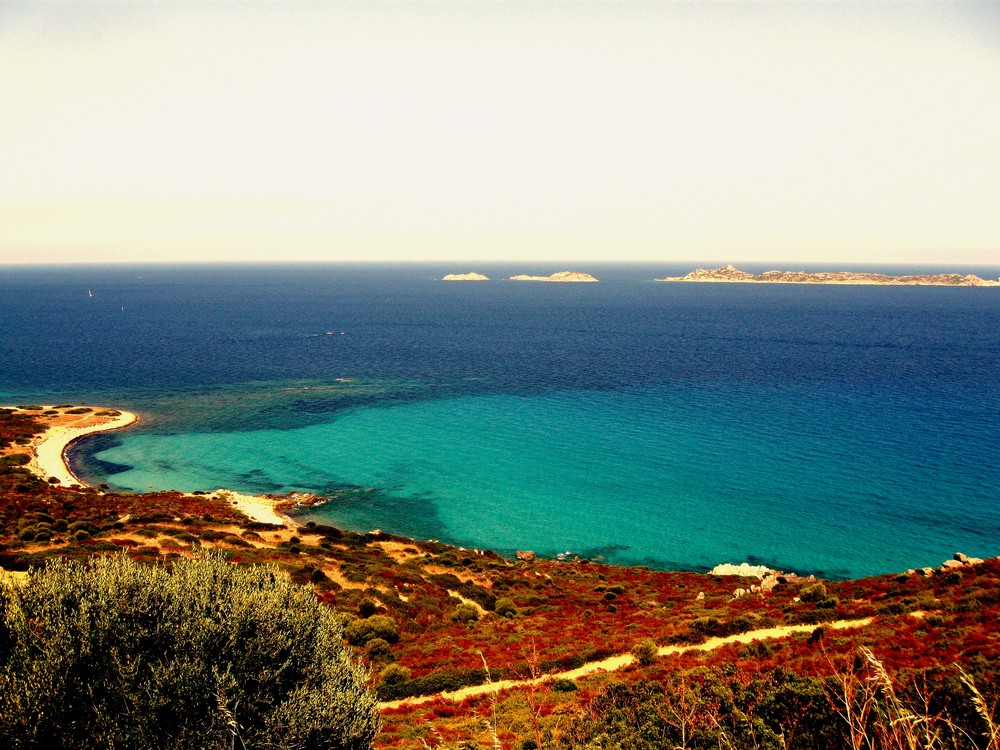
465,613
505,607
645,652
360,632
201,654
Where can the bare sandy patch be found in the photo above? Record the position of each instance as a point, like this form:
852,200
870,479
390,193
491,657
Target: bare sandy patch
255,507
400,552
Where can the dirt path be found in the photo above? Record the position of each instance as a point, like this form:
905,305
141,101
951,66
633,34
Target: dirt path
623,660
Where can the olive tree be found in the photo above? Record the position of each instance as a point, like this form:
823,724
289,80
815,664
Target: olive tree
200,654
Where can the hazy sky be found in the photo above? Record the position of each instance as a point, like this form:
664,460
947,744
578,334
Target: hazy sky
663,131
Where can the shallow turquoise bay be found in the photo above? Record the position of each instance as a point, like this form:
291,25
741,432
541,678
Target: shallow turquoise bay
662,476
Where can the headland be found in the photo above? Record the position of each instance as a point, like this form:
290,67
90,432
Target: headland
733,275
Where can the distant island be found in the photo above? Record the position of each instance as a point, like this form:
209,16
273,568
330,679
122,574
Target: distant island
563,276
731,274
465,277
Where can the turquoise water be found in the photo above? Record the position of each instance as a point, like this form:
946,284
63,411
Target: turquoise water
662,476
837,430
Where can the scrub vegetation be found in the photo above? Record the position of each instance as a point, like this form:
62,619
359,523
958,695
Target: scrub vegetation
425,618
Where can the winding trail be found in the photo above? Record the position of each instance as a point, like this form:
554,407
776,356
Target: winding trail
621,661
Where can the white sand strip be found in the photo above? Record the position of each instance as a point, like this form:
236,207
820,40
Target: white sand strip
256,507
50,450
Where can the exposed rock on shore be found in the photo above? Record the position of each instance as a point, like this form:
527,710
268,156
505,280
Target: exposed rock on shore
734,275
560,276
746,570
465,277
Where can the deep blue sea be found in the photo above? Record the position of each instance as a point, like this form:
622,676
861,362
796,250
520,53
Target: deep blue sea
833,429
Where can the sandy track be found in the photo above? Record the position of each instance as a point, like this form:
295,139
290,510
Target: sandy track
614,663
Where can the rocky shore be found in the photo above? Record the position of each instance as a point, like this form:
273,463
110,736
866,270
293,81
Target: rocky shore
465,277
731,274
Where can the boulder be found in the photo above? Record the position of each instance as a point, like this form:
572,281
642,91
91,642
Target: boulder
746,570
525,554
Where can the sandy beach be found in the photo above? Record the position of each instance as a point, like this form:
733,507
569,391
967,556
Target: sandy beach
48,454
257,507
49,448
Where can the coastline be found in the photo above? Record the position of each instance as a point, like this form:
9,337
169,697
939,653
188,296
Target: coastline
63,429
259,508
49,449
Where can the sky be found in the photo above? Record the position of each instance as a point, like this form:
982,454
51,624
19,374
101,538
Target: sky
830,132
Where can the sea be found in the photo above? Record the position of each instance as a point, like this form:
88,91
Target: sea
838,430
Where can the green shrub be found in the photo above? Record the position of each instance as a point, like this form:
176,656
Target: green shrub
645,652
378,649
394,674
564,685
465,613
814,593
359,632
505,607
756,650
442,680
14,459
203,655
810,617
317,576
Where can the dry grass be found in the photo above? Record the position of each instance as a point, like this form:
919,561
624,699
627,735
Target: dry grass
878,718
